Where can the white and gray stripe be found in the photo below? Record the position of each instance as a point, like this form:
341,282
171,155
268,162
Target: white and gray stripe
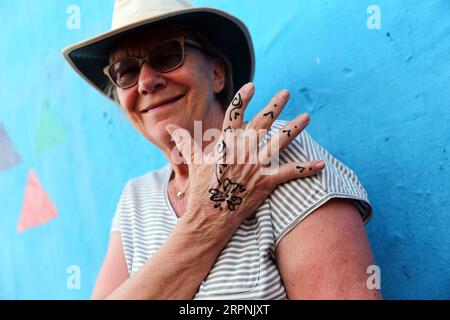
246,268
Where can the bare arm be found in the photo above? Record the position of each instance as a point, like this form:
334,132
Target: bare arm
174,272
114,269
327,255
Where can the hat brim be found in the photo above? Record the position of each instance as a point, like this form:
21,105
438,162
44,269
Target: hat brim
225,32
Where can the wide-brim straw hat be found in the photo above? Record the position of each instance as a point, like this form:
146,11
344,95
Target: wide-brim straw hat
225,32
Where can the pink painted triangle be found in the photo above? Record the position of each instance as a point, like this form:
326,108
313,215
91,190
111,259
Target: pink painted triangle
37,207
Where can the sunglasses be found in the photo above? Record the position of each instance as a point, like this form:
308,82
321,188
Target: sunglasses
164,57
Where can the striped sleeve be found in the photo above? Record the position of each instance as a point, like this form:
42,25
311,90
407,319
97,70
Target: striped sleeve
293,201
115,224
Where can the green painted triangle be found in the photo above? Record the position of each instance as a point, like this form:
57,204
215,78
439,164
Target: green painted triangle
49,132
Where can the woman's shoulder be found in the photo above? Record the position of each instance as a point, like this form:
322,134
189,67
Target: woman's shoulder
291,202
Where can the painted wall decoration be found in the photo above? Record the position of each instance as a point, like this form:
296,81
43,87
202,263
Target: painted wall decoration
374,76
37,206
9,156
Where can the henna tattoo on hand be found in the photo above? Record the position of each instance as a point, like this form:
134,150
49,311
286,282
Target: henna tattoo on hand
237,103
229,128
288,131
270,112
229,195
221,148
302,168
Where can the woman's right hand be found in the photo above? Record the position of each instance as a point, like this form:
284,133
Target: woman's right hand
225,191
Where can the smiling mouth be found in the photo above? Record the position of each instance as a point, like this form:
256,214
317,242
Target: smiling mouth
167,102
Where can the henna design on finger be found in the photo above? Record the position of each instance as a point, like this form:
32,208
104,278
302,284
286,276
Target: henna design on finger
237,103
221,148
288,131
221,166
229,195
300,168
229,128
270,112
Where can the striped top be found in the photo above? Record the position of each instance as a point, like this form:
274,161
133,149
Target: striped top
246,268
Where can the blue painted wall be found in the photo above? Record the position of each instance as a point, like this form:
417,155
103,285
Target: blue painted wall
379,101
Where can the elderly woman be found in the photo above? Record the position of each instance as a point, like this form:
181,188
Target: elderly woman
208,227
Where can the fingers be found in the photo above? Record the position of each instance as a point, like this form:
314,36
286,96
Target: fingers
294,170
282,138
264,119
235,112
183,142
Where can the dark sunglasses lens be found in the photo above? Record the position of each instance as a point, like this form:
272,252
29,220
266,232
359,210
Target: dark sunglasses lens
167,56
125,73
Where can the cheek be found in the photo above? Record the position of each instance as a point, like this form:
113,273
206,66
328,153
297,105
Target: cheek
127,100
203,94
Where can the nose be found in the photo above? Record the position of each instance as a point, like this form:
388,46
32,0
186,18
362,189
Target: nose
150,80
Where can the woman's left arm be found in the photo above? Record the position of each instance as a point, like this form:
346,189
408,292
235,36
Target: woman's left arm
326,256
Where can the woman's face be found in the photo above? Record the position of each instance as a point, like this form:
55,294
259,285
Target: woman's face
194,85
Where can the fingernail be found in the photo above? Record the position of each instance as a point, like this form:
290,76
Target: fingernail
306,117
249,87
284,94
319,164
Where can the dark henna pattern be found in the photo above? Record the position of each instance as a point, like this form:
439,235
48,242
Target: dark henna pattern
221,148
229,128
221,166
228,195
270,112
237,103
300,168
288,131
230,190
